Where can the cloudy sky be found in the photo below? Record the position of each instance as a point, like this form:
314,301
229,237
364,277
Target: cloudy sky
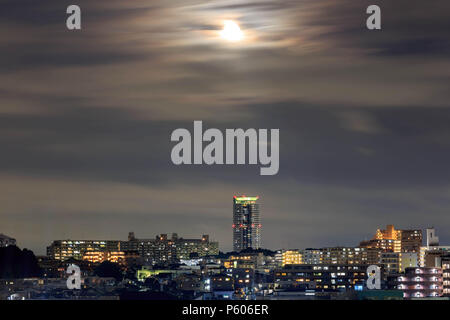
86,118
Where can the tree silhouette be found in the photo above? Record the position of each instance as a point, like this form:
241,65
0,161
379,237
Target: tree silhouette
16,263
152,284
109,270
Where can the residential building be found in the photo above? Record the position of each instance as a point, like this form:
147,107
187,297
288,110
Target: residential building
291,257
421,282
159,250
408,260
430,254
246,223
101,256
320,277
445,263
65,249
395,240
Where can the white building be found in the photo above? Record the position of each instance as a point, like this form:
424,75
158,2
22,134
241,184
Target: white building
431,253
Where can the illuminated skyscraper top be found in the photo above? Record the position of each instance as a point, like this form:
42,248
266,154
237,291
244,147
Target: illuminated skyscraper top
246,223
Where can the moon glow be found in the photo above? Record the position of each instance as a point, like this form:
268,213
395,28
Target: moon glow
231,31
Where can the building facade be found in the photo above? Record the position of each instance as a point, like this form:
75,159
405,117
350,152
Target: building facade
65,249
330,255
411,240
397,262
290,257
101,256
311,256
421,282
186,248
159,250
395,240
430,255
390,261
246,223
320,277
445,262
349,256
408,260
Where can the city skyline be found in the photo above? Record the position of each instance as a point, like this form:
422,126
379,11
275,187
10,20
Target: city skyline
356,243
86,117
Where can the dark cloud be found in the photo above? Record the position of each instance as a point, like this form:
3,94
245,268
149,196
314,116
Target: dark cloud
408,27
86,118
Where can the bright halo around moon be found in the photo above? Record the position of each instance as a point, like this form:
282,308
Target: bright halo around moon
231,31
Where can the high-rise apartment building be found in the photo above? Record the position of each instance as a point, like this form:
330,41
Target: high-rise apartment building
411,240
387,240
395,240
246,223
160,249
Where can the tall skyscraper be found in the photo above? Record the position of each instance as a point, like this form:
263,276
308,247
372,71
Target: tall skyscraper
246,223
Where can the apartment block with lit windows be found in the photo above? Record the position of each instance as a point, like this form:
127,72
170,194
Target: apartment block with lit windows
330,255
245,261
349,255
395,240
311,256
382,244
445,262
101,256
243,278
390,261
411,240
164,249
160,249
199,247
397,262
65,249
290,257
320,277
421,282
221,282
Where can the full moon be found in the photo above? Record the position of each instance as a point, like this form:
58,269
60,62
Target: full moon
231,31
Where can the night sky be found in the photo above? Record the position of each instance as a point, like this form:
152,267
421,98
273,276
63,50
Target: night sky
86,118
